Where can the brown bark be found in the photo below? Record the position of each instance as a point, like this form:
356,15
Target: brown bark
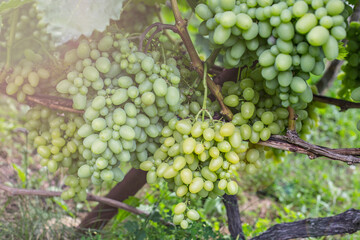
233,215
102,213
345,223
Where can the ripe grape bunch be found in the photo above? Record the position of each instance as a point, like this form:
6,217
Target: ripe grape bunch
127,96
198,158
26,77
290,39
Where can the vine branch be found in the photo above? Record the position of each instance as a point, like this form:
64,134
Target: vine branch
52,102
292,142
343,104
345,223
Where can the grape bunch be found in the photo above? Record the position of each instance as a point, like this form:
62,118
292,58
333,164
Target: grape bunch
259,114
30,32
198,158
127,96
289,39
26,77
55,137
350,76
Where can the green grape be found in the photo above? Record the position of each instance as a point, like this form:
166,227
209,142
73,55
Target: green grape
221,34
300,8
306,23
318,36
331,48
105,43
103,64
243,21
231,101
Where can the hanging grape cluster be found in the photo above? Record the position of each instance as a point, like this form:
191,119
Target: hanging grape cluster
55,137
25,79
30,32
127,95
289,39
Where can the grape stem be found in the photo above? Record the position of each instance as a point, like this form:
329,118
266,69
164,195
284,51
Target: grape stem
9,44
181,24
11,191
205,92
159,27
292,119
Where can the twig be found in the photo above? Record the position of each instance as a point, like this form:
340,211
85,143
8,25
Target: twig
292,119
279,142
345,223
52,102
44,193
56,103
180,24
343,104
292,142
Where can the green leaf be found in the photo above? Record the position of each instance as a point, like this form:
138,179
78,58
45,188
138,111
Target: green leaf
342,52
122,214
353,2
12,4
69,19
20,172
140,235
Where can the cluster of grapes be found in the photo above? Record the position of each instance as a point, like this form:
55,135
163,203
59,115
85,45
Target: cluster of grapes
55,136
126,95
350,76
290,39
259,112
30,32
198,159
26,77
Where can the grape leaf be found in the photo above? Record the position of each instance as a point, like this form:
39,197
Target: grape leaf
342,52
11,4
69,19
